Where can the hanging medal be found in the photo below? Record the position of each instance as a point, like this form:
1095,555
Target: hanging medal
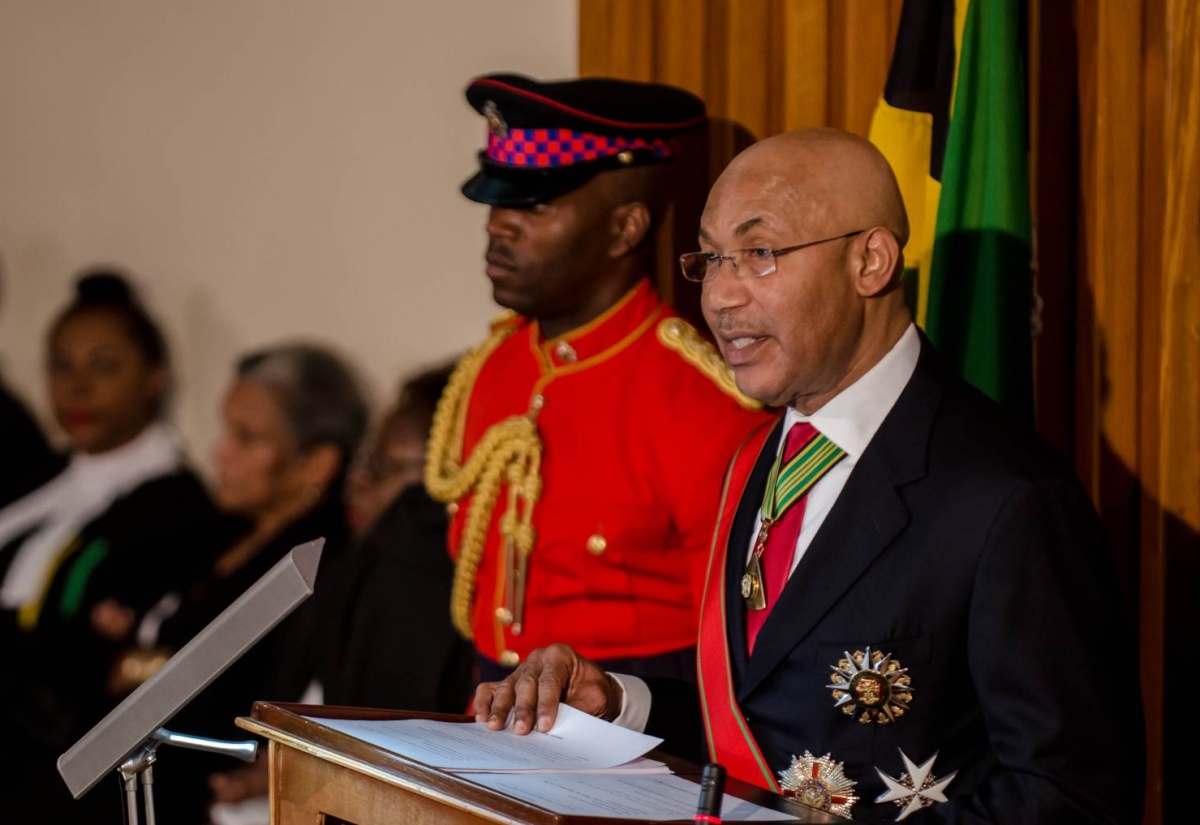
754,587
786,485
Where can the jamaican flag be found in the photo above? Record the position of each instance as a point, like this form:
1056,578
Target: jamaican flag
953,124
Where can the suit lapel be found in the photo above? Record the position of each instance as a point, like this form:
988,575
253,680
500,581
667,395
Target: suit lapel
739,546
868,514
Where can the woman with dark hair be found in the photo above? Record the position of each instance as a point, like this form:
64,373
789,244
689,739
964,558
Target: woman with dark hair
100,529
393,458
399,574
293,418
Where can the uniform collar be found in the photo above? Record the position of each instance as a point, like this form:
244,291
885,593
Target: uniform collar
614,328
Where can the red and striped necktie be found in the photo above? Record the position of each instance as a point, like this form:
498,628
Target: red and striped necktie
806,457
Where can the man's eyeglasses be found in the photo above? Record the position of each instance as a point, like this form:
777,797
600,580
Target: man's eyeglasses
755,262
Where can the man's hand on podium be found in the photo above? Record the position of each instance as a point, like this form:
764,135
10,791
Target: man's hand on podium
550,675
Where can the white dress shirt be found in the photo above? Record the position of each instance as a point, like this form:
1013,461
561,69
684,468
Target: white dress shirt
850,420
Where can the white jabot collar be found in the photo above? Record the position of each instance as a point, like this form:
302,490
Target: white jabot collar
54,513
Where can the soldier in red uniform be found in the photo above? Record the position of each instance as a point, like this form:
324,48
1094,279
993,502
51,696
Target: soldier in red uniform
581,446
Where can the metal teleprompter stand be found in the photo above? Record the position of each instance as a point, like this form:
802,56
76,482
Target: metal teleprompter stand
139,768
126,740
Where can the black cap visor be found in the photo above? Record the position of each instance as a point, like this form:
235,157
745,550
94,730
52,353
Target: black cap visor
503,186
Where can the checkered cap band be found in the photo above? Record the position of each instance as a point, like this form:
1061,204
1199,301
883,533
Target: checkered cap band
548,148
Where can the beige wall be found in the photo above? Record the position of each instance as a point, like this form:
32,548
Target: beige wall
266,168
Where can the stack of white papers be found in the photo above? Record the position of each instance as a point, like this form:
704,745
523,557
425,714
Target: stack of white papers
620,796
582,766
577,742
639,765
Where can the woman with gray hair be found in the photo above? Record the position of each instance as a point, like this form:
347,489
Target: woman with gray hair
293,418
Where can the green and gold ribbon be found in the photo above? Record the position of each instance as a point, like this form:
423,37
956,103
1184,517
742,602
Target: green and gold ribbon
788,484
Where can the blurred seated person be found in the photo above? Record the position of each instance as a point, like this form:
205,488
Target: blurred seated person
100,529
26,460
396,646
393,643
293,418
393,458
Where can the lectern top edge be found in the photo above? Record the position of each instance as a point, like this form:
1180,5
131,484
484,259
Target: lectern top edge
134,721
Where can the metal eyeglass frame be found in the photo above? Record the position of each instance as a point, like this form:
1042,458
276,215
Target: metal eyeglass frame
710,258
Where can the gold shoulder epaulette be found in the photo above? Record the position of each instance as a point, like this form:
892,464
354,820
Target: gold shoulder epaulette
678,335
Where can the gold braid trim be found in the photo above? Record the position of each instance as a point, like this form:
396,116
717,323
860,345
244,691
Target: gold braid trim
678,335
510,452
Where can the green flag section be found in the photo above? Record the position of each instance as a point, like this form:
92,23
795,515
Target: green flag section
980,281
953,123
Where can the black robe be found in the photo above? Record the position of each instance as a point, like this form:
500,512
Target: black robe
394,645
26,460
278,668
156,538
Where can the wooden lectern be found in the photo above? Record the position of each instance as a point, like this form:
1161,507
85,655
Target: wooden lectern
320,776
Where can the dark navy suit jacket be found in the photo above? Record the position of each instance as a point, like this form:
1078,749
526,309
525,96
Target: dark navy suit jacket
961,547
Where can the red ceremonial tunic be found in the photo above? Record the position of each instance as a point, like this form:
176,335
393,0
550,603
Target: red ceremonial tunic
635,441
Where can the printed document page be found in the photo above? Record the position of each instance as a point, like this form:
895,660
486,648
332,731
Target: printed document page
620,796
582,766
576,742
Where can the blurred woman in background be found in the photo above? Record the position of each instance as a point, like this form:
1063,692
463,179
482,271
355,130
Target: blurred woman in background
293,418
103,528
393,459
26,460
395,646
386,603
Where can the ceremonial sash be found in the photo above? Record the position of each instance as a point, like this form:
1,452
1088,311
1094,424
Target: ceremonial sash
730,742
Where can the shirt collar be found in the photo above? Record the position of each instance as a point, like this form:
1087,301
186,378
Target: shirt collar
852,417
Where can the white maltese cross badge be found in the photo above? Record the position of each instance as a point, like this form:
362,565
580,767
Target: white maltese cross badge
916,788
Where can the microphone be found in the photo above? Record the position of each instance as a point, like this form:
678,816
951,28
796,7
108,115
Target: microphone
712,790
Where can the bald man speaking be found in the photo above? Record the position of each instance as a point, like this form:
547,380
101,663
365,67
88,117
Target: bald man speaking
910,611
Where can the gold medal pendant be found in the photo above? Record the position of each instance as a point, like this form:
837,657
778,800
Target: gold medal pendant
754,590
752,585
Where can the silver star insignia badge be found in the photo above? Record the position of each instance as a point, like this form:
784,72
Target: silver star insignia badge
871,686
916,788
819,782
